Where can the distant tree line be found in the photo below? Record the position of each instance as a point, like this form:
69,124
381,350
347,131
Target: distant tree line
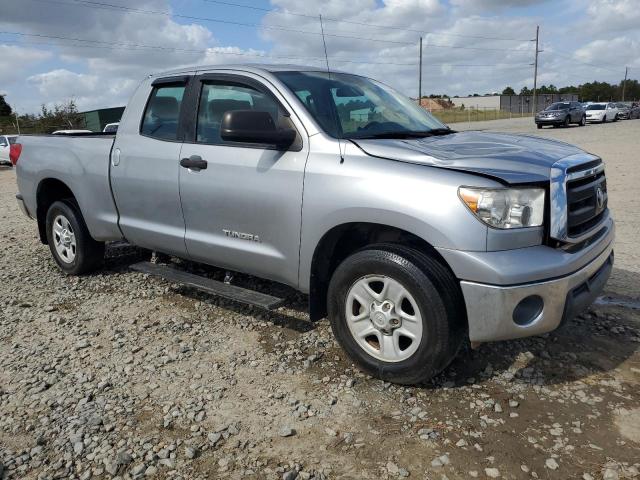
594,91
61,116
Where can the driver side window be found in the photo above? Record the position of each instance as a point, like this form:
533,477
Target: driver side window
218,98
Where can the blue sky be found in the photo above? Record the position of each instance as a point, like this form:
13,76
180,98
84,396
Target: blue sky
97,51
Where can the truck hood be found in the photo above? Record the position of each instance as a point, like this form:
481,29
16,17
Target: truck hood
508,158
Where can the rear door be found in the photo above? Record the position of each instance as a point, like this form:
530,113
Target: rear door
145,167
243,211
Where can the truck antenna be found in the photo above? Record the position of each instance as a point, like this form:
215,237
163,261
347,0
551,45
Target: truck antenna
324,43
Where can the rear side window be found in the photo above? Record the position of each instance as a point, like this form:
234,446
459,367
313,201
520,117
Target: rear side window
163,112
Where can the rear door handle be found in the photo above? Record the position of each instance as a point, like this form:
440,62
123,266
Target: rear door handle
194,162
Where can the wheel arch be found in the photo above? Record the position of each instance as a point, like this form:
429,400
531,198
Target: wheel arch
49,190
343,240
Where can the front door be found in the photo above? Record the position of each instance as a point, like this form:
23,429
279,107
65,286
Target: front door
145,169
242,210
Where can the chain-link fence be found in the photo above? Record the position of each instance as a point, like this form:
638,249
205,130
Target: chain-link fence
456,115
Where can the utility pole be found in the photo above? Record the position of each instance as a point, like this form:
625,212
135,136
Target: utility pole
420,76
535,73
624,84
17,121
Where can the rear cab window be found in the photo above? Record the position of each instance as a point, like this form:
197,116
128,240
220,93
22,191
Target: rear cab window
162,113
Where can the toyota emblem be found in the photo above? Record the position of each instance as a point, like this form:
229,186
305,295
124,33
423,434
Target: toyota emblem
600,198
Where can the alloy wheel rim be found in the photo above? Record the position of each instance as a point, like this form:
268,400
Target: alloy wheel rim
64,239
383,318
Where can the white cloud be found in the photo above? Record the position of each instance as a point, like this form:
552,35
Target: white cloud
15,60
98,74
614,15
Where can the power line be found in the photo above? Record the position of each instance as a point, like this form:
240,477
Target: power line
364,24
102,44
570,57
112,7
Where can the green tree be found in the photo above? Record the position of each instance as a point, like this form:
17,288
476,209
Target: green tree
5,108
525,91
508,91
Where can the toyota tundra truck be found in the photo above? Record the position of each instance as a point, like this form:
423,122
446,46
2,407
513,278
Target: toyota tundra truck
410,237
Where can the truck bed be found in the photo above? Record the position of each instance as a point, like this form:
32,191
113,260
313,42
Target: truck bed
80,161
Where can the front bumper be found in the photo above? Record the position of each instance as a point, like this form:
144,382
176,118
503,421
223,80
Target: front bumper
492,310
595,118
549,121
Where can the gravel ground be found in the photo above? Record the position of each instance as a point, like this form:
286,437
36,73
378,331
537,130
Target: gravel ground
119,375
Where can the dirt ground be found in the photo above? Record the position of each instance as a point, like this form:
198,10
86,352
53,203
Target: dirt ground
118,375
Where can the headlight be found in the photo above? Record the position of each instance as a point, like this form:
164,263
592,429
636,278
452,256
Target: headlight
505,207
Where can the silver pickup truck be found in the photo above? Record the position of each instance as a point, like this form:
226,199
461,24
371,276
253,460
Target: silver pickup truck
409,236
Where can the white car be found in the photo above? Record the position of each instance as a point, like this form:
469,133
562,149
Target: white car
5,145
70,132
111,127
602,112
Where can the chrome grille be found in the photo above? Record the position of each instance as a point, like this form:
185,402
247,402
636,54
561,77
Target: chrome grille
586,203
578,198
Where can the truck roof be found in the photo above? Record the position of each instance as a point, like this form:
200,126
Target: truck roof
249,67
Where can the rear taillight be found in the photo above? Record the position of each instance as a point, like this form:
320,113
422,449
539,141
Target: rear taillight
14,152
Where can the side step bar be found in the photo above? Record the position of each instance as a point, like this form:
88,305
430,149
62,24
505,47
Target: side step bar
230,292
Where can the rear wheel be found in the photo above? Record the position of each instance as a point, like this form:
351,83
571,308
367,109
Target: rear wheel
398,313
69,240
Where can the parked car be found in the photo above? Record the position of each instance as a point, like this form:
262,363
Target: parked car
70,132
635,111
624,111
410,237
602,112
5,147
561,113
111,127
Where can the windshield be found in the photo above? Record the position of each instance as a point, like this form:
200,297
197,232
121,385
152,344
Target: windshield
350,106
558,106
595,106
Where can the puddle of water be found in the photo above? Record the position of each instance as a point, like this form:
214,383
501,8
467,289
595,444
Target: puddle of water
617,302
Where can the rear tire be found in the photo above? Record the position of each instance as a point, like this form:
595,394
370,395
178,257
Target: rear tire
69,240
425,300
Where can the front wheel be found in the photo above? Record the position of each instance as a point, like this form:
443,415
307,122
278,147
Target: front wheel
539,125
567,121
398,313
69,240
583,121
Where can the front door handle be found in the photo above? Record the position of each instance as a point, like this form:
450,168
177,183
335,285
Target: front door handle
194,162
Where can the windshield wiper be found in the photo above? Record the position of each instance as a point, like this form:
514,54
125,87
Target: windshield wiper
406,134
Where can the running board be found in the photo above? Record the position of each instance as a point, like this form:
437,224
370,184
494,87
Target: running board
230,292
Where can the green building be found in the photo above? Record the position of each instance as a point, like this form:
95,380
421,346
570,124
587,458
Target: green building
95,120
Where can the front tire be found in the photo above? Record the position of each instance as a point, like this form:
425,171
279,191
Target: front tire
583,121
567,122
398,313
539,125
69,240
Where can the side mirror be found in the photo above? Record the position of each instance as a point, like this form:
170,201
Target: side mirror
251,126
